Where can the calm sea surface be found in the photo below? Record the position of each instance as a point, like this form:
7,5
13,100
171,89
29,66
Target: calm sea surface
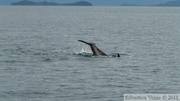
38,46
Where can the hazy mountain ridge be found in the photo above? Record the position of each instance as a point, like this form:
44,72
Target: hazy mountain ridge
170,3
28,2
107,2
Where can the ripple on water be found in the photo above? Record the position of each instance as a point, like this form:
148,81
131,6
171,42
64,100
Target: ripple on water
27,93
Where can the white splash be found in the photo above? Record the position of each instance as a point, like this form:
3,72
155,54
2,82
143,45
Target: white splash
83,50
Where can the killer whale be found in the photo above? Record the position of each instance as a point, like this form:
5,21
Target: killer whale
96,51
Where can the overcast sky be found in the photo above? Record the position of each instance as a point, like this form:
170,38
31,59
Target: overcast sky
98,2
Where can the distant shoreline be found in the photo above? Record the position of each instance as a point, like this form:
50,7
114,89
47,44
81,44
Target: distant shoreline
175,3
45,3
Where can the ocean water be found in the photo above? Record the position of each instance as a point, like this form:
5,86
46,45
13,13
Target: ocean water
38,46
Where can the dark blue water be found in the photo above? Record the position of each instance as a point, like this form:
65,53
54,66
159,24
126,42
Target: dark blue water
39,60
